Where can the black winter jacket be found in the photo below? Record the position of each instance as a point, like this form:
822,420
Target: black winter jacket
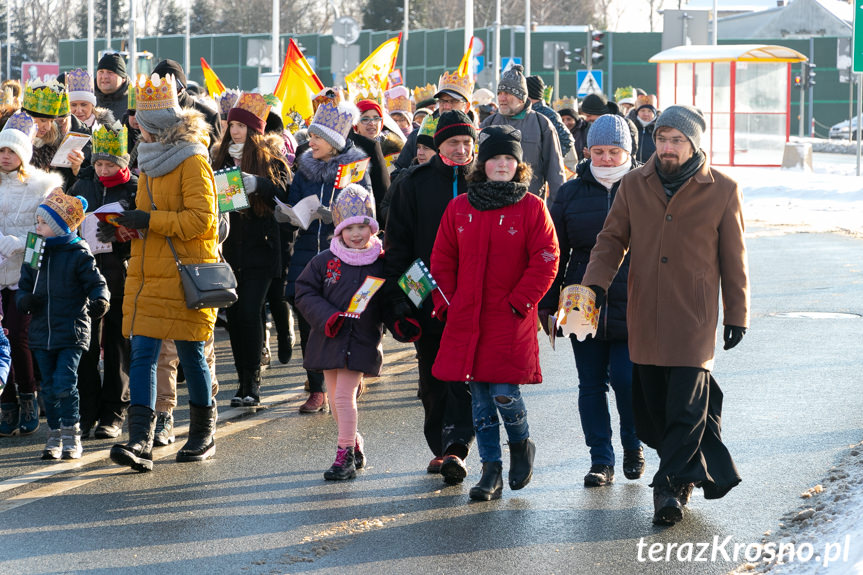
117,102
579,212
418,203
67,280
112,265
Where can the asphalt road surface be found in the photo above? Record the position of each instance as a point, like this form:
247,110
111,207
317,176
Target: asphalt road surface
261,506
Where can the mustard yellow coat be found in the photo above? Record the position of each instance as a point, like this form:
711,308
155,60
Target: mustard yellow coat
154,305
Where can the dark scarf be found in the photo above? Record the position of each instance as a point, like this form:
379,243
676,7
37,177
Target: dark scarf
673,182
490,195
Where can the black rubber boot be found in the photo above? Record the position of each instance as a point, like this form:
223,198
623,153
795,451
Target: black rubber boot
521,456
202,426
343,467
667,507
253,389
490,485
237,400
137,453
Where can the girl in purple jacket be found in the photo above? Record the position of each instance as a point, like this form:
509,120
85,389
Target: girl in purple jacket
343,346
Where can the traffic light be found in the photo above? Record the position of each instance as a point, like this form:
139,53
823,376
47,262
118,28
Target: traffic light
596,47
564,58
811,74
798,81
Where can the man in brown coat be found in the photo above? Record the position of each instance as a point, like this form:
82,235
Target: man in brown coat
684,224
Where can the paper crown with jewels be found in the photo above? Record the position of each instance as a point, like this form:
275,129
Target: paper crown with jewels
365,89
565,104
252,110
46,99
424,93
111,141
227,100
646,100
23,122
461,85
6,97
155,93
398,100
331,95
132,92
79,84
334,123
63,213
625,95
354,205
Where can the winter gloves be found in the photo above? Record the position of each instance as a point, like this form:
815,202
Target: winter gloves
250,183
98,308
30,303
402,309
334,324
105,232
10,245
732,336
135,219
325,214
407,330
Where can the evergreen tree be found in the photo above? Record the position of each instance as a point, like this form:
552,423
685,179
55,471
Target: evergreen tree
172,20
383,15
119,19
205,17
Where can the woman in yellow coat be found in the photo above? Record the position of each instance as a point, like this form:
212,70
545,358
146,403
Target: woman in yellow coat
176,199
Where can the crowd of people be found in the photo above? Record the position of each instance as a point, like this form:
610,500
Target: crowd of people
507,198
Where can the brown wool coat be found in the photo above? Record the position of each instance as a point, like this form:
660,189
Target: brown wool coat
683,249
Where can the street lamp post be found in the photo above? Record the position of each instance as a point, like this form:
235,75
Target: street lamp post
496,62
133,40
90,37
274,58
527,37
404,47
187,50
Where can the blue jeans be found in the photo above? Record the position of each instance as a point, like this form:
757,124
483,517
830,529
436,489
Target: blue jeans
485,403
599,364
142,371
59,369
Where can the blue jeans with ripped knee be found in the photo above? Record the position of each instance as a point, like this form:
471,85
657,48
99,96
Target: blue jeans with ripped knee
486,404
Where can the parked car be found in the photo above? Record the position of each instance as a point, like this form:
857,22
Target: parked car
840,131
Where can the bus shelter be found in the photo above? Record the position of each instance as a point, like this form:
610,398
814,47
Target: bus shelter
744,91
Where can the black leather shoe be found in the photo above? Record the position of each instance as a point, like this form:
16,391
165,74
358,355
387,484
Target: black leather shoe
667,508
633,463
599,475
490,485
453,469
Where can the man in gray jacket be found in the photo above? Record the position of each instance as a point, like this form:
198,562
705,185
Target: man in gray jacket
539,141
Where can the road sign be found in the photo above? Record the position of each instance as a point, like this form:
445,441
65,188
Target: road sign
857,35
589,82
509,62
478,64
478,46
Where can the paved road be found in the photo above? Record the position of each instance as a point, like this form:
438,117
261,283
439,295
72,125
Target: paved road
792,404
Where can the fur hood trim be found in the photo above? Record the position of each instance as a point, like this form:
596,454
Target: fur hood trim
36,179
104,117
326,171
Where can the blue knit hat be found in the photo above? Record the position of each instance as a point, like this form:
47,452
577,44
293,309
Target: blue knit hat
610,130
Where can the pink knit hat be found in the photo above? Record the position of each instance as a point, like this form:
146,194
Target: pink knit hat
354,205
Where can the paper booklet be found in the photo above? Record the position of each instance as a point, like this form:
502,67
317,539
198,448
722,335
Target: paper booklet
351,173
305,211
391,162
33,250
363,296
88,231
230,190
109,213
418,282
72,141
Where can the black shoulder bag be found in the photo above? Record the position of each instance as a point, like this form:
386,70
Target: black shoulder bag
204,285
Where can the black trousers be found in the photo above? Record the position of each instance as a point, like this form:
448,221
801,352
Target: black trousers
104,398
678,412
448,424
244,320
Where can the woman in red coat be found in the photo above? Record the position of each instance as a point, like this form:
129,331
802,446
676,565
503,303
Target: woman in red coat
494,258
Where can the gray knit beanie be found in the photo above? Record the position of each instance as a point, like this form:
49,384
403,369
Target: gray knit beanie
688,119
154,121
513,82
610,130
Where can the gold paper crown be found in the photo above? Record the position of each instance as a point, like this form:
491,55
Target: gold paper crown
564,103
155,93
645,100
68,208
46,98
422,93
111,142
254,104
331,95
398,100
461,85
330,117
623,93
22,122
6,97
365,89
132,91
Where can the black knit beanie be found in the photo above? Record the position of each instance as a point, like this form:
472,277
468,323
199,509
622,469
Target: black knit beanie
595,104
113,62
535,87
169,66
497,140
453,123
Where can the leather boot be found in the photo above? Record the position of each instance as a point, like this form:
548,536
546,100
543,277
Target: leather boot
137,453
237,400
490,485
253,389
343,467
521,456
202,426
667,507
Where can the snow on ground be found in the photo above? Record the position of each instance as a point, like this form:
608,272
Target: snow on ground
829,521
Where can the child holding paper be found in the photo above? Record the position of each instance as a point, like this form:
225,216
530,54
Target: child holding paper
346,348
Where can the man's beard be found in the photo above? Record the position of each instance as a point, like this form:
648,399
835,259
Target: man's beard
669,167
52,137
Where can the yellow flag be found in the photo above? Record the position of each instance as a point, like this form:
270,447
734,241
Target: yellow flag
378,65
298,84
464,67
214,85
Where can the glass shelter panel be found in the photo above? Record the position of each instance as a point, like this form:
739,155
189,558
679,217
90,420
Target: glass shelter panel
760,121
666,85
684,83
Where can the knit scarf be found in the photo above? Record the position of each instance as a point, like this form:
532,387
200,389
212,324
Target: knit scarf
156,159
357,257
608,176
490,195
236,152
453,164
673,182
117,179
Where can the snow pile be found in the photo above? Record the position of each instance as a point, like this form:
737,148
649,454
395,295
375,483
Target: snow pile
830,199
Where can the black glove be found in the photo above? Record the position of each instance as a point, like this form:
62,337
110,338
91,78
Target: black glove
98,308
30,303
135,219
732,336
600,295
105,232
402,308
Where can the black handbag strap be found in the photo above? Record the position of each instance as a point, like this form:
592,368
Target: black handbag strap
153,207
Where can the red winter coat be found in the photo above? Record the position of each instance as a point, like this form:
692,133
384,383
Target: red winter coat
488,263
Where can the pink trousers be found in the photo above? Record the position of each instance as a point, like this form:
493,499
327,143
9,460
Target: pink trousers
342,387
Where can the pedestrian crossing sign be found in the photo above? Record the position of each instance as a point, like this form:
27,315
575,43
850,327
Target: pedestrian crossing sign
589,82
